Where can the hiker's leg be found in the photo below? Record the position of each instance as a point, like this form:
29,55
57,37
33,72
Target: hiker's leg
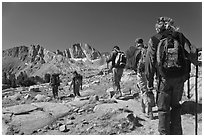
164,108
53,91
176,127
114,78
56,91
142,82
119,73
149,111
74,91
77,90
149,105
143,103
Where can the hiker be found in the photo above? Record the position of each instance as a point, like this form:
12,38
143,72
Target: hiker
118,60
55,83
167,55
77,83
147,96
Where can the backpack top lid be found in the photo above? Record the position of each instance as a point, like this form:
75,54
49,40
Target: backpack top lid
165,23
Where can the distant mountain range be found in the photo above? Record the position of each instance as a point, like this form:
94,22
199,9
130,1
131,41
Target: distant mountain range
36,60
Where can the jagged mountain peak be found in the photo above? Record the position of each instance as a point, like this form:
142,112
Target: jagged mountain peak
36,60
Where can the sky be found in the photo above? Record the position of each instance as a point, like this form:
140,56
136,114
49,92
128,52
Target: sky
102,25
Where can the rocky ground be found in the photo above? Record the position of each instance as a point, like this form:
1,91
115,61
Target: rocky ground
33,111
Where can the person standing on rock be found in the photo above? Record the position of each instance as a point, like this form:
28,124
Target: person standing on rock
168,54
55,83
77,83
147,96
118,60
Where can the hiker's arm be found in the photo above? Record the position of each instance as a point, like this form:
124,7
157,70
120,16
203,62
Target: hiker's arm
150,61
190,51
71,84
113,53
110,58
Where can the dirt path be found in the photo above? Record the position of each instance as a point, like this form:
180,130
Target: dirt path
95,114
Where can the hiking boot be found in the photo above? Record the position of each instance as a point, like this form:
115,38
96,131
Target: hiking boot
150,116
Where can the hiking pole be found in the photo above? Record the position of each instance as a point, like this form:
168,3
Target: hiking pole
188,85
196,96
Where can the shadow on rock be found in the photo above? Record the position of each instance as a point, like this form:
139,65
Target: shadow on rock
189,107
126,97
135,120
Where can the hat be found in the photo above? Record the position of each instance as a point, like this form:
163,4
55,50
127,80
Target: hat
116,47
139,40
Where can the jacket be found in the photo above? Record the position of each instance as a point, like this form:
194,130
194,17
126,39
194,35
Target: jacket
112,58
150,60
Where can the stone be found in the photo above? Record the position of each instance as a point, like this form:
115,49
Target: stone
100,73
85,86
27,96
69,122
93,99
15,97
5,128
87,92
21,89
71,95
55,109
80,110
6,117
85,122
59,124
40,97
110,92
19,109
47,99
96,82
72,118
63,128
32,121
34,89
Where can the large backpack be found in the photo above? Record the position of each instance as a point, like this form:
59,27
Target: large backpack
78,79
170,57
141,62
55,81
120,60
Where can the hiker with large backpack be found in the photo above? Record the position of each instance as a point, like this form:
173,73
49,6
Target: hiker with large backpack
76,83
167,55
55,83
147,96
118,59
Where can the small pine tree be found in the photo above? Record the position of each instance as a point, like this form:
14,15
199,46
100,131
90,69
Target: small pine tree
4,78
12,80
20,79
